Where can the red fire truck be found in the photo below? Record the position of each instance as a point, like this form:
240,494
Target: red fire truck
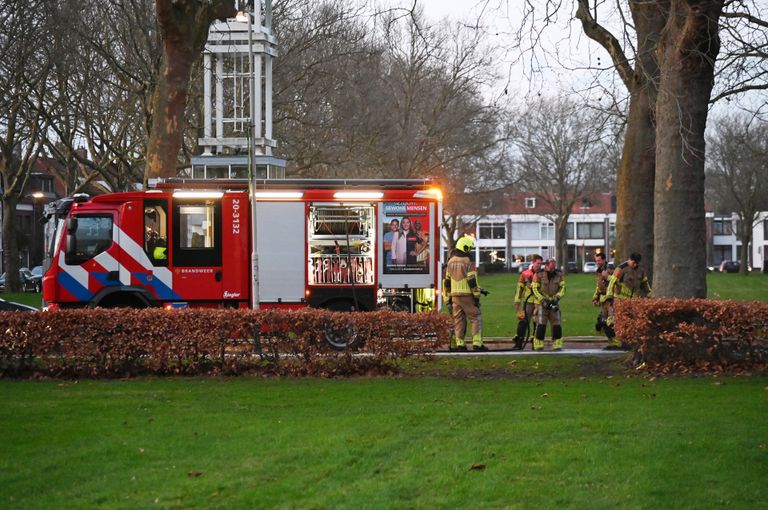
336,244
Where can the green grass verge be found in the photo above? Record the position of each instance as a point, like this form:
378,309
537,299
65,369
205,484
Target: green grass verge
27,298
578,314
581,441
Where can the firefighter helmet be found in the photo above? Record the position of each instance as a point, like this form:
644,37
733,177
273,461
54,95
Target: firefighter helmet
465,244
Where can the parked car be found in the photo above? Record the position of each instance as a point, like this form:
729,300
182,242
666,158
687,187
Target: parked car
730,266
590,267
37,275
573,267
11,306
28,281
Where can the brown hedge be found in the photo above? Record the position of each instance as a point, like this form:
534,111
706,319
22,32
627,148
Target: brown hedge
695,335
126,342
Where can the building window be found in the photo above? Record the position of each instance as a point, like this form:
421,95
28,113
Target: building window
590,231
238,172
585,203
488,255
492,231
547,232
721,252
530,203
765,229
722,227
525,231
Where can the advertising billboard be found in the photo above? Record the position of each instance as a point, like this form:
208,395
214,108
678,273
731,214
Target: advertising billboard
406,238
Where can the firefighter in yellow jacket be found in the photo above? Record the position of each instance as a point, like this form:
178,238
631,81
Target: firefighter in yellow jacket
548,288
600,298
462,288
627,281
524,301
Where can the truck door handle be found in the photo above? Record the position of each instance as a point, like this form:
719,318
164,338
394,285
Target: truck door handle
113,276
217,275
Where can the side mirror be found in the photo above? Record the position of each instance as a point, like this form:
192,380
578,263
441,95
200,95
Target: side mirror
71,244
71,225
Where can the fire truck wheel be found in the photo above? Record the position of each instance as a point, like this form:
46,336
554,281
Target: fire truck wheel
342,337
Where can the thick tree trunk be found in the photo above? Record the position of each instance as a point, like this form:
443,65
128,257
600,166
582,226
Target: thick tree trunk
687,53
635,179
184,27
634,187
168,104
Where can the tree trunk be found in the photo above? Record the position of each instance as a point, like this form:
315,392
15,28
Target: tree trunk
561,241
746,239
635,179
184,26
10,245
687,53
168,104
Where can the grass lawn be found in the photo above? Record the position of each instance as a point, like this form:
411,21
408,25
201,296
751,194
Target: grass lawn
578,314
544,432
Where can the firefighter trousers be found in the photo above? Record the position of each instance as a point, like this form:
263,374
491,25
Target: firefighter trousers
464,309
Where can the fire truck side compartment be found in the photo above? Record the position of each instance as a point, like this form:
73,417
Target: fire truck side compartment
281,241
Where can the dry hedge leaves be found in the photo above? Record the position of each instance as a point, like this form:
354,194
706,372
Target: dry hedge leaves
126,342
681,336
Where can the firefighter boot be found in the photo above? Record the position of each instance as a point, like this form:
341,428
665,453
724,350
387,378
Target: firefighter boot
518,343
557,338
457,344
538,340
477,343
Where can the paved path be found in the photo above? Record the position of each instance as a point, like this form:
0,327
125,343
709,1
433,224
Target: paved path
574,345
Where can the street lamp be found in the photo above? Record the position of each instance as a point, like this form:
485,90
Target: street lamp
34,196
251,170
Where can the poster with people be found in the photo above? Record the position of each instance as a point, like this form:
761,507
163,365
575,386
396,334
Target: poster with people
406,237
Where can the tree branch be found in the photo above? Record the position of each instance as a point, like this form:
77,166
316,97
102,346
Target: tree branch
607,40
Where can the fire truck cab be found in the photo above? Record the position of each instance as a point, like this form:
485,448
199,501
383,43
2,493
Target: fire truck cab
336,244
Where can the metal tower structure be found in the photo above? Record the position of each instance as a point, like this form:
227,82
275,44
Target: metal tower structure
237,97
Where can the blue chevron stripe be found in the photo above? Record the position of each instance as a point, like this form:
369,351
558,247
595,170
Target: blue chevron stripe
73,287
162,291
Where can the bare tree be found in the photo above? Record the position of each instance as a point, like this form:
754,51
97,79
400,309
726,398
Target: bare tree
23,85
563,152
325,89
737,158
674,46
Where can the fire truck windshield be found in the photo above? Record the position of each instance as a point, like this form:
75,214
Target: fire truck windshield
92,235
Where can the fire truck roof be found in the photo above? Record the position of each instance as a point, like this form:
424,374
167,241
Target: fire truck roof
300,184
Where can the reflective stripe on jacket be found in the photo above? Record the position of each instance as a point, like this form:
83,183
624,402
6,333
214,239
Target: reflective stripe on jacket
463,274
627,282
548,286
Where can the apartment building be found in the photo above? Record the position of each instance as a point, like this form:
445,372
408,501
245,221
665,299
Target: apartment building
518,225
